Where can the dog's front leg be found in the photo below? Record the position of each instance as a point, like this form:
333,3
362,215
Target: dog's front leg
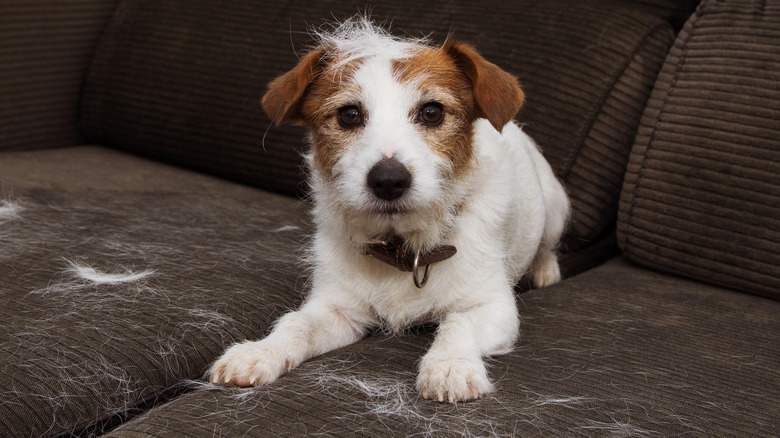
317,327
453,369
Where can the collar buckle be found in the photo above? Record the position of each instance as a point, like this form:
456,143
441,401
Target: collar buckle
392,252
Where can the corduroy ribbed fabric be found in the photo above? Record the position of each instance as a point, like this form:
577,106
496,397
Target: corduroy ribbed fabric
702,192
676,11
619,350
181,81
45,49
120,278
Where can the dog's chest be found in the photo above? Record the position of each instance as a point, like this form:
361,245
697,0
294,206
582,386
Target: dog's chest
397,311
397,303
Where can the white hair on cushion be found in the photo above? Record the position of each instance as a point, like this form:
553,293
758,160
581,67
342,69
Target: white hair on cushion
105,280
9,210
383,399
285,228
93,275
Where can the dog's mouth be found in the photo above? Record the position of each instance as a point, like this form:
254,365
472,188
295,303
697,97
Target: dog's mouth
382,209
390,211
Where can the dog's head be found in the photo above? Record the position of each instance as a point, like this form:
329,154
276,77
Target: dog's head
391,126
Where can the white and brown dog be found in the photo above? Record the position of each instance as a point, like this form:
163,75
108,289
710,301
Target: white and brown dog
419,178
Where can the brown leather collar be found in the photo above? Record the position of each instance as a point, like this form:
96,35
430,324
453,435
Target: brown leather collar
391,252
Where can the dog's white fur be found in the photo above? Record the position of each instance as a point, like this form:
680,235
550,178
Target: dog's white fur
505,214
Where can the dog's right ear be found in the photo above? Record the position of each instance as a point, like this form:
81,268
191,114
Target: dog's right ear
498,93
282,101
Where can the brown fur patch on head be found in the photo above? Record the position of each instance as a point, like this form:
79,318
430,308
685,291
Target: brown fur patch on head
331,91
455,76
497,93
441,81
306,95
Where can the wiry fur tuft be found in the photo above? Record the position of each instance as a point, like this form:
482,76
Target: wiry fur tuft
359,37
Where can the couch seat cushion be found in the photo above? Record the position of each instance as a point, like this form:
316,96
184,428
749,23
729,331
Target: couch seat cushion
618,350
121,277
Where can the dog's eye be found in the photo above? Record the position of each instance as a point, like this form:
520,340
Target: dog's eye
350,117
432,114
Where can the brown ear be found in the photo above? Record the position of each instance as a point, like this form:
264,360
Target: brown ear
498,93
282,100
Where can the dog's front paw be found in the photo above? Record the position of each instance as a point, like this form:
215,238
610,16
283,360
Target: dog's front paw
250,364
453,380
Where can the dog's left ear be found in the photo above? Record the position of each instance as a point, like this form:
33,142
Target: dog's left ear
498,93
282,101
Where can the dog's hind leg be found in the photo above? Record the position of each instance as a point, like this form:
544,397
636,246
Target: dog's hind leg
316,328
544,269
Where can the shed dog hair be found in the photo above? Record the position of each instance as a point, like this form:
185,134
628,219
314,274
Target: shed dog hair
415,165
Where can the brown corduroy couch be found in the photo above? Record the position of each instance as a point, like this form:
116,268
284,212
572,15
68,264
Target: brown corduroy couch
150,216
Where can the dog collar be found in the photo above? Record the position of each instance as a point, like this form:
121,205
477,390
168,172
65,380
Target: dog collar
391,252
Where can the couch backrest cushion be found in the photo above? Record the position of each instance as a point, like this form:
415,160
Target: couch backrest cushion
45,48
676,11
702,191
181,81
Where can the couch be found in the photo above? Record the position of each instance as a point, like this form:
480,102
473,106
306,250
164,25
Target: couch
150,216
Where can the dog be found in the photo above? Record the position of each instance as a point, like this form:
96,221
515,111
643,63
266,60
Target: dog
429,202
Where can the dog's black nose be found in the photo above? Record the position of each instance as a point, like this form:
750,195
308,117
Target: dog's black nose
389,179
